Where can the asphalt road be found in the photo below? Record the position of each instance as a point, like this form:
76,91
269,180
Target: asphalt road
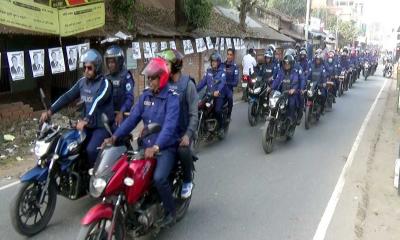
242,193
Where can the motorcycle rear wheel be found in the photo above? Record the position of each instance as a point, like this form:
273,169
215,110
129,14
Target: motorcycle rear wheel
251,113
98,230
267,140
307,117
26,203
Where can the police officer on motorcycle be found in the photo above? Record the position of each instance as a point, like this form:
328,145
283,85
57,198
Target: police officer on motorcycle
185,86
122,81
288,79
157,104
271,69
95,92
232,78
318,76
332,70
215,80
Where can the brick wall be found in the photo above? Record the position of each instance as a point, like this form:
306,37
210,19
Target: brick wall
14,112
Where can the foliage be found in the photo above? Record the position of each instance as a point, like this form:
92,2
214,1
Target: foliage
293,8
244,7
124,9
198,12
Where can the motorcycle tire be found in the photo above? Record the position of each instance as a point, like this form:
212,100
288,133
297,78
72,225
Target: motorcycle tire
365,79
290,132
251,113
29,190
340,90
307,117
267,140
182,205
329,103
97,230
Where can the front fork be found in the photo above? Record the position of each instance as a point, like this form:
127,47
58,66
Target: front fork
48,178
115,215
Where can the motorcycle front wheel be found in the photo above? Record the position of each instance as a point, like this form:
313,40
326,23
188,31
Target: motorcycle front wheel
100,230
307,117
30,214
252,113
267,136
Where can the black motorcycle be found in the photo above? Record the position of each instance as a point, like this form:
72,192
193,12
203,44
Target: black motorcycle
341,79
314,103
258,100
278,123
388,70
208,127
366,70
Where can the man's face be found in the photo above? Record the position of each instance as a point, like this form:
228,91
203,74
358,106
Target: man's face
260,59
112,65
154,83
229,56
318,61
286,66
71,54
268,60
214,65
53,56
89,71
36,59
14,61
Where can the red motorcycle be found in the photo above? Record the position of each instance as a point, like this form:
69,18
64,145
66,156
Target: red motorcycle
131,205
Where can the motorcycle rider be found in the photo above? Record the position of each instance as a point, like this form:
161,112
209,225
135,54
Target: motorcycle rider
215,80
331,67
248,64
318,76
185,86
95,92
122,81
232,78
344,63
288,79
270,69
157,104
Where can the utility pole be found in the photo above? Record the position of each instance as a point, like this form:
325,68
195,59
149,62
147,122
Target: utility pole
307,19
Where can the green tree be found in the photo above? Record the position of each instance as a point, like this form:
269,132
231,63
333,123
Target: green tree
124,9
293,8
244,7
192,14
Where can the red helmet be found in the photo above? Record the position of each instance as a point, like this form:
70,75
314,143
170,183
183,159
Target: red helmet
157,67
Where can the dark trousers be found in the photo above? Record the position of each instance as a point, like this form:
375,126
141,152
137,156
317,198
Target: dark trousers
95,138
185,155
219,103
229,99
165,163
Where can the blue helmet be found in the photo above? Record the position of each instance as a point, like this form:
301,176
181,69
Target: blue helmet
215,56
94,57
117,53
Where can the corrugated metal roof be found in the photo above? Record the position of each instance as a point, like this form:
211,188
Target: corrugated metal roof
293,34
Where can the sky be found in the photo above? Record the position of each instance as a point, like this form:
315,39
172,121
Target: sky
386,12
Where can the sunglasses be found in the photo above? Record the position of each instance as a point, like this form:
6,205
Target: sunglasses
89,68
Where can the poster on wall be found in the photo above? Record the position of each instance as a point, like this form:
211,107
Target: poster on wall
163,46
222,44
209,43
217,43
147,50
242,44
136,54
200,45
188,47
154,48
56,60
16,64
228,43
37,62
172,45
72,56
82,49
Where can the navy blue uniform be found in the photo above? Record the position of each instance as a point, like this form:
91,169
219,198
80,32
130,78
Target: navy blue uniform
123,86
162,108
215,81
232,80
97,98
286,80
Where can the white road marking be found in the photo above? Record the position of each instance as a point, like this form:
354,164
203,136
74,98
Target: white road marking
9,185
331,207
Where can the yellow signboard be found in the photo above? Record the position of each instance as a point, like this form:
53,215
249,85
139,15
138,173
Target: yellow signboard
82,18
29,15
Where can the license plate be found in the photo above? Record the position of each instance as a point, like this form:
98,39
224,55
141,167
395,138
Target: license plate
244,85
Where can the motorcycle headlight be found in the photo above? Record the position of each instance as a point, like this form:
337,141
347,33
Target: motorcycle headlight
282,105
254,80
309,93
272,102
208,104
97,187
41,148
257,90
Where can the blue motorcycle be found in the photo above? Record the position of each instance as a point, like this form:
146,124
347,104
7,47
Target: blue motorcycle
61,169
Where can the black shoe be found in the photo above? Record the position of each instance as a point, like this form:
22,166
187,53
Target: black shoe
168,221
